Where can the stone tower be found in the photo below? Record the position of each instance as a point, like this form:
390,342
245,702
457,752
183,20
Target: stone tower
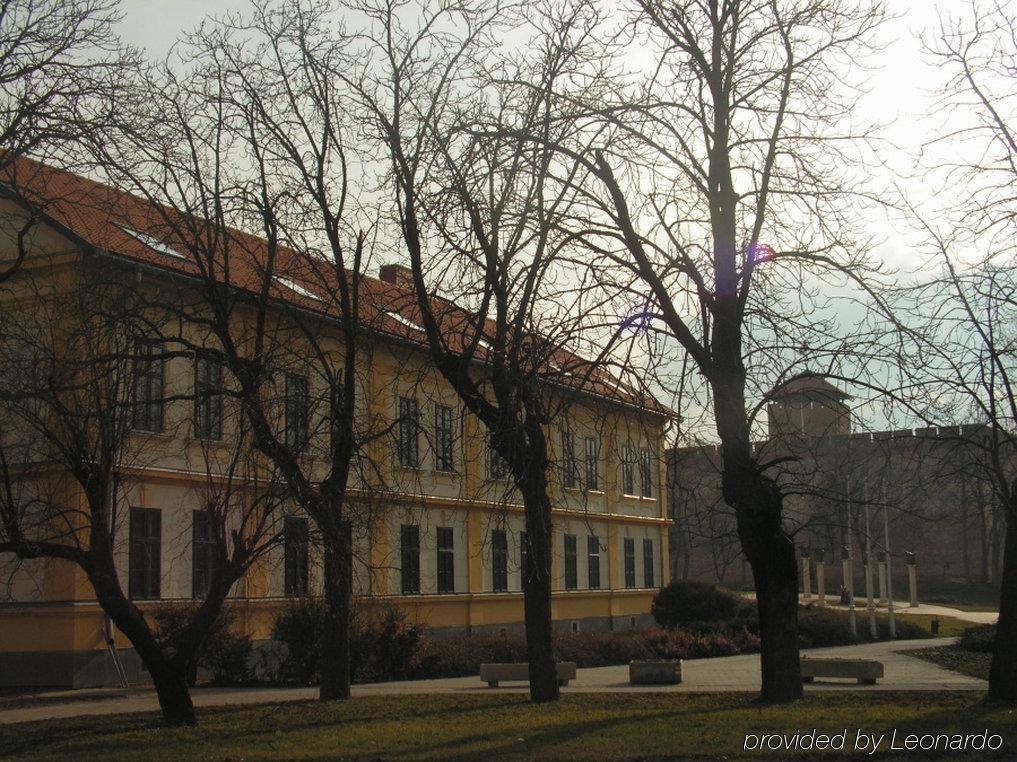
808,406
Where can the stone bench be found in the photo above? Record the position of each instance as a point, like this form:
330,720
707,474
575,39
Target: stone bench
492,674
655,671
866,671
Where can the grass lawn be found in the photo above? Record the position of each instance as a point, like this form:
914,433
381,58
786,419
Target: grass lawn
488,726
948,625
973,663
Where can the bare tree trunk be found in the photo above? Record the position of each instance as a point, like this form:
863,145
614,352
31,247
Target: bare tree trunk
168,677
171,687
537,584
1003,670
335,646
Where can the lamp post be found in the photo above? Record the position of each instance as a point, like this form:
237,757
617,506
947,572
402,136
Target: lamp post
889,572
849,583
870,603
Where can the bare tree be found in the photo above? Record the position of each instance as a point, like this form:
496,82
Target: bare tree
256,137
962,318
75,360
61,70
481,211
723,201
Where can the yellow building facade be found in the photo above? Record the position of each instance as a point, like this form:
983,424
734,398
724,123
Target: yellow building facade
437,526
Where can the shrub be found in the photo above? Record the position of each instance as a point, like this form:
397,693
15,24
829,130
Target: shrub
299,628
226,655
686,601
981,639
383,644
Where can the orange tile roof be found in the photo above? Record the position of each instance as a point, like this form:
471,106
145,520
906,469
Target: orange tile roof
107,219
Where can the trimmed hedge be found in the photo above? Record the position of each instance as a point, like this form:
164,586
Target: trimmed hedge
686,601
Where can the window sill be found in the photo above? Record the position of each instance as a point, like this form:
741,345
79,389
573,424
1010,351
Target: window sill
596,492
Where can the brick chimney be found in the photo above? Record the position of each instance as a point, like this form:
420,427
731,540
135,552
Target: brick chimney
400,275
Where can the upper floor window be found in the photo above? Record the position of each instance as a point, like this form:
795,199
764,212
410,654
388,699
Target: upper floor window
295,547
628,470
497,465
570,476
409,421
646,473
145,553
592,463
207,396
499,560
443,438
446,561
296,413
149,373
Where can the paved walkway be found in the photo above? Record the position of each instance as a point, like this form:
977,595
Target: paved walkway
901,608
730,673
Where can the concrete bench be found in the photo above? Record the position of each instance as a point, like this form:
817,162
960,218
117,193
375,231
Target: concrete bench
655,671
866,671
492,674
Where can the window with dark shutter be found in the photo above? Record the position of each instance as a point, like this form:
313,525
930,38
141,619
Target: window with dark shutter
409,552
648,574
524,557
571,573
409,425
628,471
295,541
296,412
593,561
446,561
592,463
149,374
499,560
570,471
646,473
207,396
443,439
203,552
630,562
145,556
497,465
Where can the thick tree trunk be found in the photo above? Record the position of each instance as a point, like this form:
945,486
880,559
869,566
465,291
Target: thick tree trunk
1003,670
537,596
169,676
776,583
335,645
171,687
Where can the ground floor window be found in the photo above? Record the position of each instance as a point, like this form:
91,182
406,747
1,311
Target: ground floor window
648,563
593,561
571,575
145,558
499,560
409,550
295,541
446,561
630,562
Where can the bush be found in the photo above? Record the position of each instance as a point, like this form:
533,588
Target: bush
685,601
299,628
980,639
383,643
225,655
